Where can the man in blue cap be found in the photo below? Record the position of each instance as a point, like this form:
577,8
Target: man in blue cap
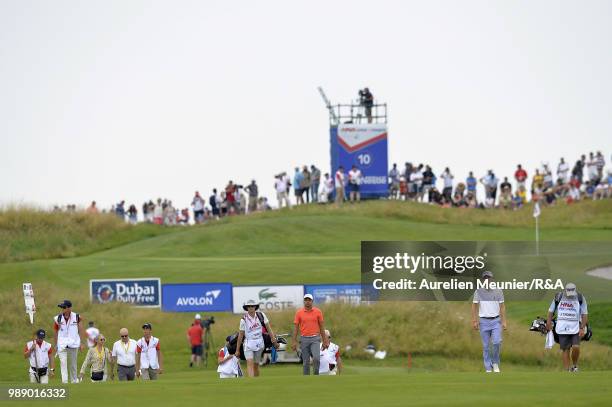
40,353
68,328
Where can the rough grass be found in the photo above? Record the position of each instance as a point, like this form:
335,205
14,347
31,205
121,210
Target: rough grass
584,214
421,329
28,233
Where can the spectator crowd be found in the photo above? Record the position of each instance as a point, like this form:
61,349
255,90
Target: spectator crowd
585,179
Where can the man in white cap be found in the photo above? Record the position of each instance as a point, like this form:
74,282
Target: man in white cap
330,361
194,337
253,325
309,322
572,318
489,317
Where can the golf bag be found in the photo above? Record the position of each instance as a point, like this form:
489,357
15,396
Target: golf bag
233,344
588,333
539,324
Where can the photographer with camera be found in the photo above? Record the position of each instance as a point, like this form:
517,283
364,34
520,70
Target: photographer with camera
194,337
366,99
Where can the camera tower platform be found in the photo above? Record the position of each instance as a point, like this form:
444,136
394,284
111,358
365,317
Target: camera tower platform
358,136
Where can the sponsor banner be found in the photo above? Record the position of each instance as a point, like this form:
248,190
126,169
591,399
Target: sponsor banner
270,297
365,146
199,297
143,292
326,293
355,137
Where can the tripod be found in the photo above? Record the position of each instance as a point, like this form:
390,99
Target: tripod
208,345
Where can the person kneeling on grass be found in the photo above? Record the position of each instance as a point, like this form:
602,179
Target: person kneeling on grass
572,318
330,362
229,364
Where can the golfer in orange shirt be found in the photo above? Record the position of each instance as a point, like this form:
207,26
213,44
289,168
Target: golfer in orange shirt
309,321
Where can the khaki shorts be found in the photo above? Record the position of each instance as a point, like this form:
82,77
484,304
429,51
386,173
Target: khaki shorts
254,355
148,374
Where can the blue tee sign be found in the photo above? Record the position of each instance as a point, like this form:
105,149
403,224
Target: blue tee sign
365,146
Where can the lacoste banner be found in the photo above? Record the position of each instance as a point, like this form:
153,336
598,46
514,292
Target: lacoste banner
209,297
144,292
270,297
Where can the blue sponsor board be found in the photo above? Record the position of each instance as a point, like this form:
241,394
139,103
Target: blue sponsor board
324,293
143,292
364,146
199,297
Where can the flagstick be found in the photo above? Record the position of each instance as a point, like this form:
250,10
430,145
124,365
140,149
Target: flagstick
537,230
35,361
536,215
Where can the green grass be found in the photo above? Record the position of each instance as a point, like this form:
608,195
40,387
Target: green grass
30,233
362,386
313,245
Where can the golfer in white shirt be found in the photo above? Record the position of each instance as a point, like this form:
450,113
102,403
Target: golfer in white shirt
489,316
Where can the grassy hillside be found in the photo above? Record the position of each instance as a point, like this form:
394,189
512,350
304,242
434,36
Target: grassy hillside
30,233
303,245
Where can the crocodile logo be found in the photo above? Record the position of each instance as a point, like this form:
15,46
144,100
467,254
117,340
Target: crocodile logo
265,295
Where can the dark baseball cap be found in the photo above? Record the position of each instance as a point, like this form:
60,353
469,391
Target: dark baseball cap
41,334
147,326
65,304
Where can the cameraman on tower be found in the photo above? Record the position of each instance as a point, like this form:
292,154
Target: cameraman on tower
366,99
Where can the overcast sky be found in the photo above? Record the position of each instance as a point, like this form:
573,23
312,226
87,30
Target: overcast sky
134,100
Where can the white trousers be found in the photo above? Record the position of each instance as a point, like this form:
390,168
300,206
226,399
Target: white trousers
43,379
68,365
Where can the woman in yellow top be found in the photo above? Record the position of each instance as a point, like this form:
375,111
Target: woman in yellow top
538,180
99,360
